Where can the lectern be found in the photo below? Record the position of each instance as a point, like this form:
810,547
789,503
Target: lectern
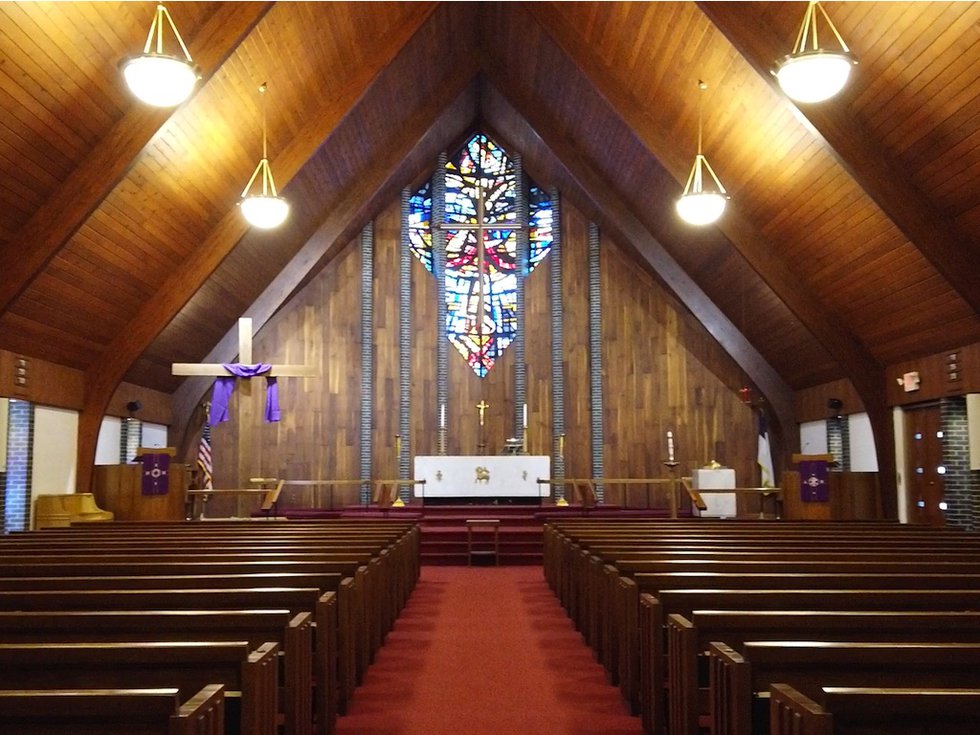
806,490
121,489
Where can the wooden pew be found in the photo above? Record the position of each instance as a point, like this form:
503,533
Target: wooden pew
740,682
293,634
863,710
112,712
360,633
251,675
596,568
329,693
387,554
624,621
688,639
654,610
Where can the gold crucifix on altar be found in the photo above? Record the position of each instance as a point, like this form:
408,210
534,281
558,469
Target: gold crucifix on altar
482,443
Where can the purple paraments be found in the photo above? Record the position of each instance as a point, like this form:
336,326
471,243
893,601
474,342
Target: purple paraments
225,386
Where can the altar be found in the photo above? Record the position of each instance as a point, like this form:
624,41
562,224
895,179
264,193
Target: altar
495,476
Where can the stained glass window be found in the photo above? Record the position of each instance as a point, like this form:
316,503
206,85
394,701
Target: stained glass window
481,225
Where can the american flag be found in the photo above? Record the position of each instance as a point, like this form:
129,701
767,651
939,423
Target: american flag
204,463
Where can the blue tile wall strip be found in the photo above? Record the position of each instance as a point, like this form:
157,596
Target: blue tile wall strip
439,270
557,351
367,358
595,356
405,350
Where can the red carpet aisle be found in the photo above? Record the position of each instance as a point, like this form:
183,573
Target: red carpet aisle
485,650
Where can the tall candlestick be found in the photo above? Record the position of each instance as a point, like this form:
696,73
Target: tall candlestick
398,445
670,446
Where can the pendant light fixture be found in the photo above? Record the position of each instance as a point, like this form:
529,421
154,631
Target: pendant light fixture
265,209
697,205
158,78
810,73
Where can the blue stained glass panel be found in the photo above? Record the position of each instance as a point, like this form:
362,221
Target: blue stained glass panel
481,178
420,224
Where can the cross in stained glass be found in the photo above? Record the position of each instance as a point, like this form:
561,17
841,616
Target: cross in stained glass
481,225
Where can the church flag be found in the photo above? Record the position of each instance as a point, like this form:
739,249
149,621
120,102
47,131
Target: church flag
764,456
204,463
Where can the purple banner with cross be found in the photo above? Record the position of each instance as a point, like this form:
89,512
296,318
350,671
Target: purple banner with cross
156,473
814,476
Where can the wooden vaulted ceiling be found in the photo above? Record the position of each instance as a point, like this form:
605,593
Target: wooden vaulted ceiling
849,244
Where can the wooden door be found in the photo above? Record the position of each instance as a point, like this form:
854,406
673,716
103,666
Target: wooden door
925,470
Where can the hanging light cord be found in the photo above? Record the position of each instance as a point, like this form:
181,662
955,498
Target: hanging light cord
809,28
701,86
157,27
267,181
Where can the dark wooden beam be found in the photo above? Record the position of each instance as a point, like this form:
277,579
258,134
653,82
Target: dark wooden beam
856,362
54,223
950,250
105,374
622,224
420,139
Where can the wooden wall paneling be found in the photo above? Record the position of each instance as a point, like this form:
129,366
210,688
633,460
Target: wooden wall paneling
425,413
811,403
934,373
387,235
655,381
47,383
155,404
575,300
318,435
537,352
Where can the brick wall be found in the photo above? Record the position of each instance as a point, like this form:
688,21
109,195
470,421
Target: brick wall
130,439
17,482
962,485
839,443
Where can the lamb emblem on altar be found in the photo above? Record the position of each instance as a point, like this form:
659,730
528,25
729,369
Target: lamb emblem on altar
482,475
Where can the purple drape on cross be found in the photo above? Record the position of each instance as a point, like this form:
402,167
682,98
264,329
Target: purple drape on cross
225,386
814,475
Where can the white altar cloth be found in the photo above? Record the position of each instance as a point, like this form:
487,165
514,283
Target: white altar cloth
503,476
720,505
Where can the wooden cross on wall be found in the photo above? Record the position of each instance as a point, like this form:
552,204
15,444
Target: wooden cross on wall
244,388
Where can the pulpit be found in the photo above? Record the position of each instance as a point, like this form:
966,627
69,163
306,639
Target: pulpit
143,491
806,490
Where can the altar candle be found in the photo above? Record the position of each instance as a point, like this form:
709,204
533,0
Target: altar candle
525,415
442,416
670,446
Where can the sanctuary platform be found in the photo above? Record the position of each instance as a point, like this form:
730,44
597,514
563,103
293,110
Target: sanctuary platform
445,535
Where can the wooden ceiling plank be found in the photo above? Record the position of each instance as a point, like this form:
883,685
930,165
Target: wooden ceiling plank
756,249
950,251
625,226
103,376
85,187
342,224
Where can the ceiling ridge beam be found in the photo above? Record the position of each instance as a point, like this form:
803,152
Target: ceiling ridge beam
620,221
105,374
68,207
847,140
342,221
